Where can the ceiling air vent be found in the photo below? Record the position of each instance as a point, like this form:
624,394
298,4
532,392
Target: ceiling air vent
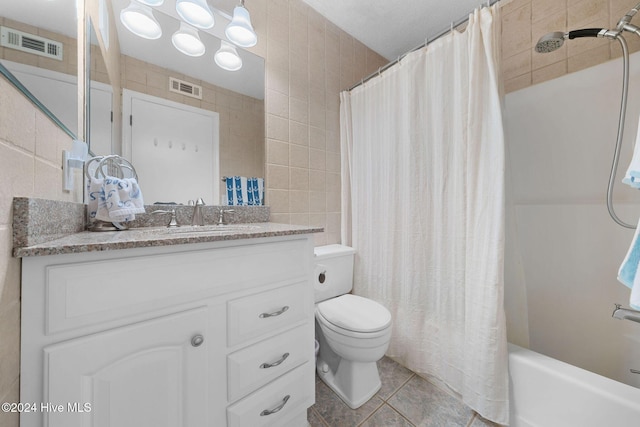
30,43
185,88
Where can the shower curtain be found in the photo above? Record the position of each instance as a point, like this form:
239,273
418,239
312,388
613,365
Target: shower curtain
423,195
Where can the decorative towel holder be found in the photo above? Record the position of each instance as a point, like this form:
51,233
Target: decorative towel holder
101,167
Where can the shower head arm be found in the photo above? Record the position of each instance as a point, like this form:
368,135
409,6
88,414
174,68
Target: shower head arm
626,19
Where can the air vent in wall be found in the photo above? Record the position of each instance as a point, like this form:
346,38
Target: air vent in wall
31,43
185,88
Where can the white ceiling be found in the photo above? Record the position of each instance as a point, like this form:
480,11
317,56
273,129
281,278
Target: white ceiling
393,27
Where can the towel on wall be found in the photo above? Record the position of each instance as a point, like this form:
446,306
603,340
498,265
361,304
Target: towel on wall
632,176
628,272
114,199
243,191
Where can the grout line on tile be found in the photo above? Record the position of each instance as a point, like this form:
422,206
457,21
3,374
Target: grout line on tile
322,420
371,414
413,374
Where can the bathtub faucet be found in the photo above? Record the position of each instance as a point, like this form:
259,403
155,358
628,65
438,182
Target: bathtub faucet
626,313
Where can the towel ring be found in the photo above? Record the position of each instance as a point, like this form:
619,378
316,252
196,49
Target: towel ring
112,165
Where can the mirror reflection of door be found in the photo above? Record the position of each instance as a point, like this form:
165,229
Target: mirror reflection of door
165,140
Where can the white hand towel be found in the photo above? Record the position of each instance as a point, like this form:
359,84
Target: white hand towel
114,199
632,177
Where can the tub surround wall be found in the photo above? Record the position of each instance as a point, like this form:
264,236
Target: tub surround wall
564,249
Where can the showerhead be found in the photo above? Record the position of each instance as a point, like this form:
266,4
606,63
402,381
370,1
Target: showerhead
554,41
550,42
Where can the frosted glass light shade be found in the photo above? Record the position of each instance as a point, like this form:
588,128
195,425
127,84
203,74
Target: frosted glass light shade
187,40
239,30
227,57
153,3
196,13
139,19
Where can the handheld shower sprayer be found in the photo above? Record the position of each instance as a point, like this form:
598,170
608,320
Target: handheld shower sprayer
553,41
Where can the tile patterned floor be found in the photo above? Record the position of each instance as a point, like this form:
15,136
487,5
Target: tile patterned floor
405,400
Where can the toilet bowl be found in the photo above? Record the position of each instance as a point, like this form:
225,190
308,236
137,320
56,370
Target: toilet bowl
353,332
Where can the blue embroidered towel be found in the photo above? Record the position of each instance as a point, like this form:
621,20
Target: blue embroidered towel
114,199
243,191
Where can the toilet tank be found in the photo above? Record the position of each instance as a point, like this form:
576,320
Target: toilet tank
333,274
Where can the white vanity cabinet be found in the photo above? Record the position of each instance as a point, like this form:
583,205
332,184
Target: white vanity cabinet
206,334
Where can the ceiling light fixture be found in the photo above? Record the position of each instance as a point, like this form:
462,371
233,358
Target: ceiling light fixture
153,3
239,30
187,40
196,13
138,18
227,57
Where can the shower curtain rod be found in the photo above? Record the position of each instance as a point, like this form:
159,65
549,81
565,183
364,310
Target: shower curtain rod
454,24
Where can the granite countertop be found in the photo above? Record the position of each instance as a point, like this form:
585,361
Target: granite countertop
87,241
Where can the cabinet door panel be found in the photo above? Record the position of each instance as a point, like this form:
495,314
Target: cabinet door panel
145,374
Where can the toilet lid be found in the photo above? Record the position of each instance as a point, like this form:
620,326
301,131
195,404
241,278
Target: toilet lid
355,313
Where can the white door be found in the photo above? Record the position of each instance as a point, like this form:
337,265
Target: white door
149,374
174,148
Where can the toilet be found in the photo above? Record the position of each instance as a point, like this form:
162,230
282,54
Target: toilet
353,332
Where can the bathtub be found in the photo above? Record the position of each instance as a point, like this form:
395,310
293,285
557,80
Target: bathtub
546,392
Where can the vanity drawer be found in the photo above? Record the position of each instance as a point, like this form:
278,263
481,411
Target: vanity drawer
292,393
88,293
267,312
256,365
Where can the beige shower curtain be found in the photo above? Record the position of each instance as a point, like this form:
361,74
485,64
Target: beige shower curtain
423,196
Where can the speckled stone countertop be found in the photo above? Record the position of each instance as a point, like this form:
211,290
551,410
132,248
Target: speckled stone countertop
46,227
87,241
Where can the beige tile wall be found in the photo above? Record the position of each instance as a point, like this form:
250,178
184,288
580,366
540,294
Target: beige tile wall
30,165
525,21
309,61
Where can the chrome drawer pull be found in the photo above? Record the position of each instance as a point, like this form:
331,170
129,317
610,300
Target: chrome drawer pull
277,408
275,313
271,365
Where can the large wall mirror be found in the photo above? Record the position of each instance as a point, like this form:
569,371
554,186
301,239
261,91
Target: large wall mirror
142,104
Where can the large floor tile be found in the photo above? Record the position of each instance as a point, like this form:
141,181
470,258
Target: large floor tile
393,376
385,416
336,413
424,404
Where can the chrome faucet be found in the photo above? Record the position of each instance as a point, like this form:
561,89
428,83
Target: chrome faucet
197,218
626,313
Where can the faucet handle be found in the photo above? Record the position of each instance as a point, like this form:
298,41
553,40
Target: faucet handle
200,202
222,212
172,222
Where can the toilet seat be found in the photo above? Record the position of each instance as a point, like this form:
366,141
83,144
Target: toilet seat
354,315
